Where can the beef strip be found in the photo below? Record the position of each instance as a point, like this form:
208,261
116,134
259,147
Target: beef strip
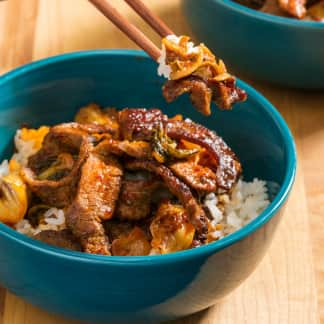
224,93
181,191
62,138
194,175
63,239
200,94
142,126
57,193
136,149
139,124
96,197
72,138
135,199
229,167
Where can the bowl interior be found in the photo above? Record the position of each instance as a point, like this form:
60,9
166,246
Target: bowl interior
51,91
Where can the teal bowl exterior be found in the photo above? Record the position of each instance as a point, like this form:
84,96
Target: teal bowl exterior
100,289
279,50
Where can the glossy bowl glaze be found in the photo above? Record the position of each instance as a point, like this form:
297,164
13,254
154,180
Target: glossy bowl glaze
101,289
280,50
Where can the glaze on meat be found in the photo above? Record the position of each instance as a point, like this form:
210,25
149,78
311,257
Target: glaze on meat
130,186
95,201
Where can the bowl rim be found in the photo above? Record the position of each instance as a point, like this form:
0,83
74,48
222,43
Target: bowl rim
256,14
265,216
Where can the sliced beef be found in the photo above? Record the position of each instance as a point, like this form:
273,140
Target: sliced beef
70,138
96,197
63,138
200,94
229,167
143,123
135,199
226,93
63,239
181,191
136,149
57,193
223,92
139,124
194,175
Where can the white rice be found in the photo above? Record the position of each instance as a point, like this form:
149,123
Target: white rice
24,149
211,202
4,168
163,68
53,219
246,202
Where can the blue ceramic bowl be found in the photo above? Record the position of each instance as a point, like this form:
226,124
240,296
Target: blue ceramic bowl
107,289
280,50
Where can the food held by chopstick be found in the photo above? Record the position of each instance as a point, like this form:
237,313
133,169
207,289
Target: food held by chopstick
194,69
316,11
188,68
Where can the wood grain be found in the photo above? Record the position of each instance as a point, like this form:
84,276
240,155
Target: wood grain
282,289
2,303
17,23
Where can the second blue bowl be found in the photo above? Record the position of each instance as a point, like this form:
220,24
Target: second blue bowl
280,50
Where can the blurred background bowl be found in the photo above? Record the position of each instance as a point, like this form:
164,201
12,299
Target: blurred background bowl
100,289
279,50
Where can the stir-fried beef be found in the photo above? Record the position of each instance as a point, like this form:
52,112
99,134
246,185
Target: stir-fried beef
96,198
135,199
194,175
63,239
57,193
63,138
229,168
200,94
79,168
136,149
139,124
181,191
224,93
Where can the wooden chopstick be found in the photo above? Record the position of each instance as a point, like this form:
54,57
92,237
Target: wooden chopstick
129,29
153,20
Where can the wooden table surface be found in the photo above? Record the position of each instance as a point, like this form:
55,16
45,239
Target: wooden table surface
288,286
